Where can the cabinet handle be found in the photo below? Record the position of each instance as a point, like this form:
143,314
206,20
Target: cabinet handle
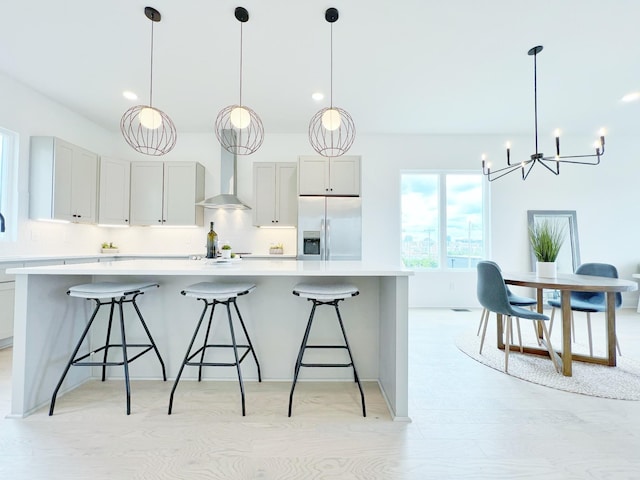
159,221
126,219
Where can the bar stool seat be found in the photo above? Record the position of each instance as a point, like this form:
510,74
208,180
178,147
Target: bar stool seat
325,294
212,294
112,294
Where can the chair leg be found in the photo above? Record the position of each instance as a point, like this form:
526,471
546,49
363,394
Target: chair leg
552,354
618,346
553,313
108,340
589,333
484,330
484,313
573,328
519,335
507,345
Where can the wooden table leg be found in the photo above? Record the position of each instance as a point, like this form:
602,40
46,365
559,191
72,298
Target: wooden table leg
540,309
500,339
566,333
611,328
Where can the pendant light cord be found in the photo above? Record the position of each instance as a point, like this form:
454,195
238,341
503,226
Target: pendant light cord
241,63
331,68
151,69
535,96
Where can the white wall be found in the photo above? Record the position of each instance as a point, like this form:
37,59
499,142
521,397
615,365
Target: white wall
603,196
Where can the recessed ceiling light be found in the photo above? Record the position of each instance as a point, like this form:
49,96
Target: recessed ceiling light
317,96
129,95
631,97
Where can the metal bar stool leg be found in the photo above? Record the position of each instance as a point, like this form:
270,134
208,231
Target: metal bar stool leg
125,359
353,365
186,357
73,356
146,329
235,354
303,346
206,335
246,334
108,340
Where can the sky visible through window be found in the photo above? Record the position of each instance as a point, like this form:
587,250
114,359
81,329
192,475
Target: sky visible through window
424,219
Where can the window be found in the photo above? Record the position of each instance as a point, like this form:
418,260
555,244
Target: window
8,148
443,219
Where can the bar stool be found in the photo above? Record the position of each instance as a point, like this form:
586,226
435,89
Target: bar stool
213,294
325,295
112,294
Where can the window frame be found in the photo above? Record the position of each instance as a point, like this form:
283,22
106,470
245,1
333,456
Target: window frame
442,216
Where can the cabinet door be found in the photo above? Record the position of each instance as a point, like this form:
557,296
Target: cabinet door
181,192
264,194
146,193
313,175
7,295
113,206
344,176
286,194
84,173
62,181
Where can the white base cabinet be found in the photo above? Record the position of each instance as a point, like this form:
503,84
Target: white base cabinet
166,193
275,194
63,181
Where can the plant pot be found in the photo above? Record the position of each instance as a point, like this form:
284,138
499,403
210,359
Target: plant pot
225,253
110,250
546,269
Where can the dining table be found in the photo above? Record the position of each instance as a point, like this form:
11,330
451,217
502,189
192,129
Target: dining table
566,283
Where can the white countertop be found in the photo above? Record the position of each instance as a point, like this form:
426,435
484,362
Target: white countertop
36,258
270,267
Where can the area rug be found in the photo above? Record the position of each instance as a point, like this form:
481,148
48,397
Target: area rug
621,382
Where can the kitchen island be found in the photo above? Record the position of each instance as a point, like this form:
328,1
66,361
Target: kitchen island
48,322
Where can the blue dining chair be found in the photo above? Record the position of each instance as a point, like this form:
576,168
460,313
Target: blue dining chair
589,302
492,295
515,300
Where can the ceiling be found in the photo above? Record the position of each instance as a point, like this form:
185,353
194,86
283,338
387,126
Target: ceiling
407,66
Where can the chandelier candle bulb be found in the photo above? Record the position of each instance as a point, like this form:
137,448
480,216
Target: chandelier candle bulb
508,153
557,144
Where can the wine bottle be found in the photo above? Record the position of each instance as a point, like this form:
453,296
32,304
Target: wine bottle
212,243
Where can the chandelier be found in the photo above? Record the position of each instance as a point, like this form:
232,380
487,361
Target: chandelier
331,130
144,127
551,163
238,128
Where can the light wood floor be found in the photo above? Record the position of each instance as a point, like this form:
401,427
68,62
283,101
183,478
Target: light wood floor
469,421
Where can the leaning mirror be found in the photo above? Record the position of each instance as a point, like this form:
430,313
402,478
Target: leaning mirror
569,257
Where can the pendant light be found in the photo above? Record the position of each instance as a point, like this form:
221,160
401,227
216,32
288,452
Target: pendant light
238,128
331,130
144,127
551,162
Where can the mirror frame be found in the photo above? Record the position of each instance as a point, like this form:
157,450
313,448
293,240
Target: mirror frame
572,229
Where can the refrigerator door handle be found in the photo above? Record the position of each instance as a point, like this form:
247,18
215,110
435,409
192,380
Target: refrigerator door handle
322,239
327,241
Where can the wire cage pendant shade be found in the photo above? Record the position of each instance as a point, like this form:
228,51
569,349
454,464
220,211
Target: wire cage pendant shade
551,163
147,129
239,128
332,130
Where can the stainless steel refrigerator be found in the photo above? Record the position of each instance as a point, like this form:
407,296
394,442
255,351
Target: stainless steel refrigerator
329,228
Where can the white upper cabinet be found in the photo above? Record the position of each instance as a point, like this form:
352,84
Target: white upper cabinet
113,203
165,193
63,181
275,194
329,175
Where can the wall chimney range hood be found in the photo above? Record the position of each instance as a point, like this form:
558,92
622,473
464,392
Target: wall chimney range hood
228,183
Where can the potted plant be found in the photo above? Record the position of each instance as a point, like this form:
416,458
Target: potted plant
109,247
546,239
225,251
276,249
